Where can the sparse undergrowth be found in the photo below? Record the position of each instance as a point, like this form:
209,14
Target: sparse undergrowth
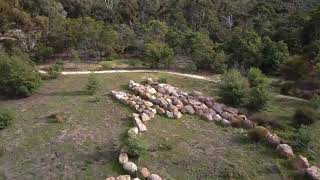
188,148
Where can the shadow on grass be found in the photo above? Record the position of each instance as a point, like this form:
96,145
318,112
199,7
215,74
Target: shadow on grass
69,93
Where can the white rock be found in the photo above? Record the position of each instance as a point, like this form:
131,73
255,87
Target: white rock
130,167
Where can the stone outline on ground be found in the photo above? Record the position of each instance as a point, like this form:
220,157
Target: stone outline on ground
165,99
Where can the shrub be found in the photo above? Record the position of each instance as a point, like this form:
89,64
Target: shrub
233,88
296,68
18,77
263,119
93,84
106,64
259,96
56,69
256,77
157,54
315,102
304,116
258,133
301,139
5,118
137,147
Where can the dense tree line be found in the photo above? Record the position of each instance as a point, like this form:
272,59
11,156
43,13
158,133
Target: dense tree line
215,34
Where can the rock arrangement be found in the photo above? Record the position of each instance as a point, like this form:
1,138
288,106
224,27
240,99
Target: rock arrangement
145,113
158,98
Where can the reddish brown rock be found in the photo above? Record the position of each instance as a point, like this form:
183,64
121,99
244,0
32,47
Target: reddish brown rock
285,150
313,173
143,173
273,140
300,163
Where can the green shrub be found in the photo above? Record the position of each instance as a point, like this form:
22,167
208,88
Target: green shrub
56,69
296,68
106,64
259,96
158,54
233,88
256,78
315,102
301,139
93,84
6,118
137,147
18,76
258,133
304,116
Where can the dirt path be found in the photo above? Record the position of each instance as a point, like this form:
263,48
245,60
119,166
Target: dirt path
138,71
160,71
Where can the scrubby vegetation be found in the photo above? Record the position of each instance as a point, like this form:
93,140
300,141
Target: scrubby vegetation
6,117
93,84
233,88
18,76
305,116
137,147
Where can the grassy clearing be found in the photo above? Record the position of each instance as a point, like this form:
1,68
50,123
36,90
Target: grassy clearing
85,146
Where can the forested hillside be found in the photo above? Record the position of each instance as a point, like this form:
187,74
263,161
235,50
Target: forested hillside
278,37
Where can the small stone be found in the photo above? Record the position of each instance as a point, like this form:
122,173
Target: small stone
160,110
133,132
226,115
189,109
123,158
130,167
225,123
177,114
196,93
154,177
247,124
150,81
207,117
313,173
170,114
300,163
110,178
145,117
123,177
143,173
285,150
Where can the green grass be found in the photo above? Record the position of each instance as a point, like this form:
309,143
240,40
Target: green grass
86,145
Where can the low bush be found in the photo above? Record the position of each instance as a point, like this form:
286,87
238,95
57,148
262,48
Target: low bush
18,76
304,116
106,64
258,97
93,84
258,133
301,139
263,119
315,102
6,118
137,147
56,69
233,88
